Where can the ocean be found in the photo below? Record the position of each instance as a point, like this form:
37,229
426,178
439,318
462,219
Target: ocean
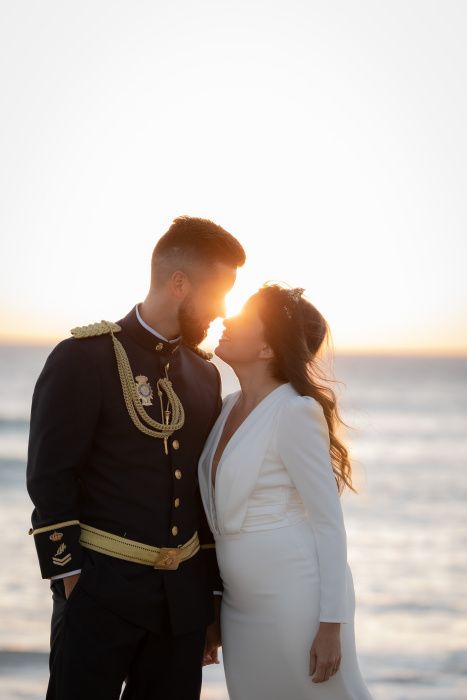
407,527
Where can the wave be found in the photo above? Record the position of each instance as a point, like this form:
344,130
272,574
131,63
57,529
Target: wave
18,658
16,424
11,463
12,475
385,666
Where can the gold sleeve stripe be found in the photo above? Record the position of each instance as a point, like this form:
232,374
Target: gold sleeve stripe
53,527
208,546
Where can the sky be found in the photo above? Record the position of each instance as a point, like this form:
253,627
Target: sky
329,137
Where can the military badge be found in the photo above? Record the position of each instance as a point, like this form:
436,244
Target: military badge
60,560
143,389
56,536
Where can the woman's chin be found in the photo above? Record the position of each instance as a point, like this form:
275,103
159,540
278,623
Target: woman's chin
220,351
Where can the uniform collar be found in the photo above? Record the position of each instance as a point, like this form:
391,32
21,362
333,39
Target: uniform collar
146,336
153,330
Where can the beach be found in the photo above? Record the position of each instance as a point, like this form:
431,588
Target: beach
406,528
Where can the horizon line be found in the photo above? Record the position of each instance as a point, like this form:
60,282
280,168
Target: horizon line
344,350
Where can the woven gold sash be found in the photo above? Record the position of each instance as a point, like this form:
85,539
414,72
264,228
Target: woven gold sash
167,558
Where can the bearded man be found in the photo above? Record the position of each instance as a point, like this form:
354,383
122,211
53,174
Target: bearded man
120,414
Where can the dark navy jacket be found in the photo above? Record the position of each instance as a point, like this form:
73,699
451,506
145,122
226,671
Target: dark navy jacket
88,462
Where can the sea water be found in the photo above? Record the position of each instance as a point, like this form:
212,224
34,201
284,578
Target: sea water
406,528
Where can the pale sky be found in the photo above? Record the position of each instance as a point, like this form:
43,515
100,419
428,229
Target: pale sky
330,137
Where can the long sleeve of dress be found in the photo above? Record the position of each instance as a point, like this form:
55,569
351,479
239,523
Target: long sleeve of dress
303,445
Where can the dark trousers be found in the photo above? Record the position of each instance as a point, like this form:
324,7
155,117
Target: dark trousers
93,651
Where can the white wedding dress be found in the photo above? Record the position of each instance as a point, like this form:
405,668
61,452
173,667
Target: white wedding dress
281,546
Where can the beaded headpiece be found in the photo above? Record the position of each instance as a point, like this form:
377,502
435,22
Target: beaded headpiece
294,296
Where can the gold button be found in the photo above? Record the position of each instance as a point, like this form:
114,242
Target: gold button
177,502
175,444
178,474
174,530
159,347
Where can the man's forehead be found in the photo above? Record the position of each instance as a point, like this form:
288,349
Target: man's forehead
221,275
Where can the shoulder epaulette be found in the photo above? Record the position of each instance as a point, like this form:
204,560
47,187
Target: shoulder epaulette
202,353
94,329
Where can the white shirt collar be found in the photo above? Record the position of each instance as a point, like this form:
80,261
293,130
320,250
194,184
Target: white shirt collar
151,330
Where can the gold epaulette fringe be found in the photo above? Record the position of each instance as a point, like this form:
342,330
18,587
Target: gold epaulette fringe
94,329
199,351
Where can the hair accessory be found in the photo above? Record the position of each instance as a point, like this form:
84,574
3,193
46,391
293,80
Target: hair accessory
294,295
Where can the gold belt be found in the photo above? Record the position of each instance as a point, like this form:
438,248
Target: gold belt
167,558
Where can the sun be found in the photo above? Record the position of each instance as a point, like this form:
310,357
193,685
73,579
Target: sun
244,287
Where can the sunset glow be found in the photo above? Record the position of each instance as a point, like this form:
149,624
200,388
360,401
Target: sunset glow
337,160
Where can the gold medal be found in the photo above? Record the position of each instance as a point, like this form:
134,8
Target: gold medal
143,389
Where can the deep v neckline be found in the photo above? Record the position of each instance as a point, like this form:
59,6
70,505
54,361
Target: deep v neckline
234,435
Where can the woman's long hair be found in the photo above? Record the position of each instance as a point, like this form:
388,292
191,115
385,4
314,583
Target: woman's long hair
296,331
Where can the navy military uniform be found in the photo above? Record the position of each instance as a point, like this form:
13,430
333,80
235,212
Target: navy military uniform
89,466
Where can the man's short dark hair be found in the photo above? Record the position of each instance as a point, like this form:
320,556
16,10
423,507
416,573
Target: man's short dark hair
191,240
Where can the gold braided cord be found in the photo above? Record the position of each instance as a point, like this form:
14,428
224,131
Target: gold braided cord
94,329
133,404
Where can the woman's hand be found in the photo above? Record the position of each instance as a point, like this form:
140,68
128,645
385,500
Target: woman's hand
325,652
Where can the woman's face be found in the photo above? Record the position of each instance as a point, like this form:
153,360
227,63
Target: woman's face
243,340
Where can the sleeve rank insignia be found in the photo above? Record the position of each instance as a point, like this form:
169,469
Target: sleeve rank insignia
56,536
57,559
143,389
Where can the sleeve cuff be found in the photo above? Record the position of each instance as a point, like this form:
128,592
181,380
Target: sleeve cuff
58,548
69,573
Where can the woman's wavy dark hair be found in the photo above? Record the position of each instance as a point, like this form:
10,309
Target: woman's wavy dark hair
296,331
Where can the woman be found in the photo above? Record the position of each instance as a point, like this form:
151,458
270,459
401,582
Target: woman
270,476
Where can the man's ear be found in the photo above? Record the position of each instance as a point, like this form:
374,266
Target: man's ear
266,352
179,284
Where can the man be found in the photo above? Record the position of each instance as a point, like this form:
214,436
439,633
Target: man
119,417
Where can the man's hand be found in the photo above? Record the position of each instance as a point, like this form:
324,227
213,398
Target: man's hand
213,637
70,582
211,647
325,652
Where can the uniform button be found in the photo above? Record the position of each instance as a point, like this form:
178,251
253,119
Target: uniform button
175,444
178,474
174,530
177,502
159,347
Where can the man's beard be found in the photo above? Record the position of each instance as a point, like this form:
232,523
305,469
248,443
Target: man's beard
192,330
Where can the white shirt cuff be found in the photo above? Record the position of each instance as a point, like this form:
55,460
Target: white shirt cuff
69,573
